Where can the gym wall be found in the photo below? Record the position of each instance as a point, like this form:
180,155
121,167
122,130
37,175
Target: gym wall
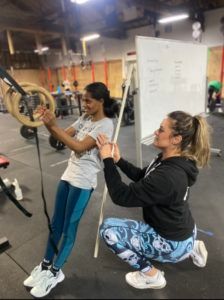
84,76
39,77
215,64
114,70
51,78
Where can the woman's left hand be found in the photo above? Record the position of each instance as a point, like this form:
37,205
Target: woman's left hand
105,147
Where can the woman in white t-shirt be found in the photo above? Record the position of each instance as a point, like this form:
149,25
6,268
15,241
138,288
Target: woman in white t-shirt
76,184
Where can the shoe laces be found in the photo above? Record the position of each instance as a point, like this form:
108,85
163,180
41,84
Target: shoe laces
140,275
35,270
44,282
196,254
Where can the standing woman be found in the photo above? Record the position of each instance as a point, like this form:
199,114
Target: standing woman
168,233
76,184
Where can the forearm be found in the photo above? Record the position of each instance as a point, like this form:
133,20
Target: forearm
120,193
134,173
62,136
54,134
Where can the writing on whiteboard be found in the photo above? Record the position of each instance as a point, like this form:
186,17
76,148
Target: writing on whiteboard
153,71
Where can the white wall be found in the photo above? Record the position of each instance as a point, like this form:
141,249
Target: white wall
116,49
212,36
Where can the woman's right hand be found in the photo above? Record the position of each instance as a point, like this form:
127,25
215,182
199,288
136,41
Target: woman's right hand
48,118
39,111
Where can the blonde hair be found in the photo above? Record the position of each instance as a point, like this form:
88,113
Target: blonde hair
195,133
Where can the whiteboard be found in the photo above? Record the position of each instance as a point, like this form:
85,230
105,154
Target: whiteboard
171,76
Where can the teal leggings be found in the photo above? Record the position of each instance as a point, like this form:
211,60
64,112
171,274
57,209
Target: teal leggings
70,205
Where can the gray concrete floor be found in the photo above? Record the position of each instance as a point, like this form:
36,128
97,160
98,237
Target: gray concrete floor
103,277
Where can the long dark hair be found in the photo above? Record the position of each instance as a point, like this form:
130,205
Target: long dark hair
195,132
99,91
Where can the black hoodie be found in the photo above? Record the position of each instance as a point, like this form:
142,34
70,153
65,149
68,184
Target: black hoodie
161,189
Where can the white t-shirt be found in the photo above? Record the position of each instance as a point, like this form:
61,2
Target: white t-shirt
83,167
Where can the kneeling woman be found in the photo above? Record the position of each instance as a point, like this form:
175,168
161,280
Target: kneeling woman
168,233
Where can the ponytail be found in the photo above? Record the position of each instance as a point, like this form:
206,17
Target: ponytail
99,91
195,133
200,147
110,107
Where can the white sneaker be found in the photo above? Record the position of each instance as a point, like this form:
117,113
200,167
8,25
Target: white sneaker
199,254
47,283
34,277
141,281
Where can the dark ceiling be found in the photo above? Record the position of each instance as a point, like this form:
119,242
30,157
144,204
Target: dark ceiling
50,20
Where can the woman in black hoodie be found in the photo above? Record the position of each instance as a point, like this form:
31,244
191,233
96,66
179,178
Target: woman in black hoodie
168,233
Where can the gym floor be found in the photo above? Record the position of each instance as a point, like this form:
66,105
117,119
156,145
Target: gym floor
103,277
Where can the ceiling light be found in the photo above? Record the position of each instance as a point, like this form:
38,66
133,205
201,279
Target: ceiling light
90,37
173,18
43,49
79,1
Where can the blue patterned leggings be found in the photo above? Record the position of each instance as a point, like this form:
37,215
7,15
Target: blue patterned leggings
137,243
